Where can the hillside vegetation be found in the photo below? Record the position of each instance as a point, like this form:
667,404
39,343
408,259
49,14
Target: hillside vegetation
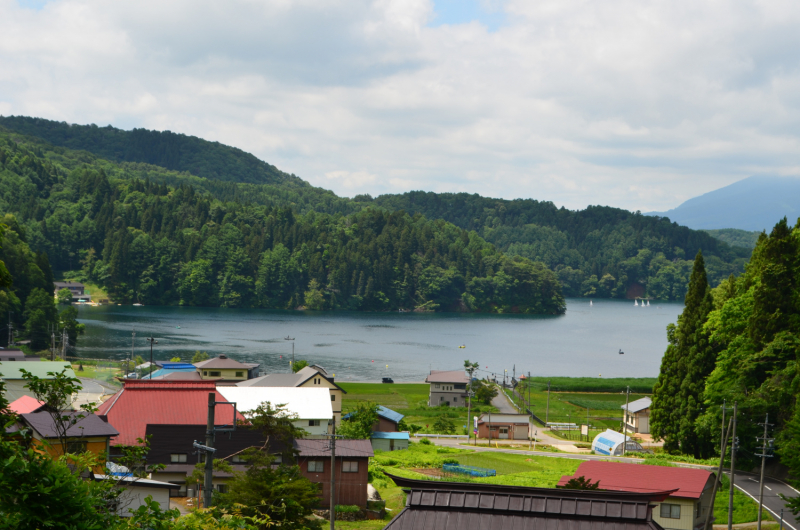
598,252
158,244
735,237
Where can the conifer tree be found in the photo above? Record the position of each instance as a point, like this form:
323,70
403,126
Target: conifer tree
689,359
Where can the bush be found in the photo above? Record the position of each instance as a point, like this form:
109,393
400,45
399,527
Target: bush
425,441
347,508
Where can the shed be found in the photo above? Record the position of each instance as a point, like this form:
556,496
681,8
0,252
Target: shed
610,443
389,441
504,426
136,490
638,416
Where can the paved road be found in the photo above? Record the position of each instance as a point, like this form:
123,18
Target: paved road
748,483
503,404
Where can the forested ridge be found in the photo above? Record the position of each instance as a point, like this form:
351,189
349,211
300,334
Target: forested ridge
737,343
152,243
597,252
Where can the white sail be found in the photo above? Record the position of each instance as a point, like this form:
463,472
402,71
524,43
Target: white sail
590,302
636,302
648,303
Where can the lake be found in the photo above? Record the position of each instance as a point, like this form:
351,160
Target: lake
405,346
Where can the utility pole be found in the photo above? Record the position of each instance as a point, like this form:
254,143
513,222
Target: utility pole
333,477
152,341
208,483
724,401
530,410
52,344
733,469
547,410
10,330
723,446
625,422
133,345
64,343
764,457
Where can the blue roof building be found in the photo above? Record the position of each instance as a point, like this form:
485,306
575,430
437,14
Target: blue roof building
389,441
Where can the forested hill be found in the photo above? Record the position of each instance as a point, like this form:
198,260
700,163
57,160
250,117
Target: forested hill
597,252
178,152
157,244
600,251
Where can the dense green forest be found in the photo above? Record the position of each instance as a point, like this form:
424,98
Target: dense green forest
597,252
735,237
740,343
157,244
173,151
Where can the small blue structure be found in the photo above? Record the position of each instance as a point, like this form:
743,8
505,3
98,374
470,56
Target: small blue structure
171,368
469,470
389,441
611,443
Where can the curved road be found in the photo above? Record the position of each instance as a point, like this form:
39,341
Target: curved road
748,483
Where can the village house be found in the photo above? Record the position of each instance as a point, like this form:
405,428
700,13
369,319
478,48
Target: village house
389,441
134,492
310,406
638,415
312,376
447,388
351,475
11,373
686,506
89,433
226,369
142,403
77,289
434,504
504,426
16,356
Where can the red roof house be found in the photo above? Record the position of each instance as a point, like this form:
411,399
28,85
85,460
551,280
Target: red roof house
685,508
143,402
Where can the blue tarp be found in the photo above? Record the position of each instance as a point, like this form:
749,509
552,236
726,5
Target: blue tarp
469,470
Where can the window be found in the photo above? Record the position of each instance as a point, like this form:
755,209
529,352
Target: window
214,373
349,467
205,372
316,466
441,398
313,423
456,399
670,511
278,459
238,459
698,509
333,398
222,488
76,447
437,386
239,374
177,458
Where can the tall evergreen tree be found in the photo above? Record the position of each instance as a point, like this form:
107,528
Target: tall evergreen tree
690,357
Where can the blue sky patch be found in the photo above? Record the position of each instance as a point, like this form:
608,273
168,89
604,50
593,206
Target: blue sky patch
453,12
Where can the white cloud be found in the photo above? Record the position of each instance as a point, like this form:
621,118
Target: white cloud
639,104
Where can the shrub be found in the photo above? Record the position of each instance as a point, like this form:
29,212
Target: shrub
425,441
347,508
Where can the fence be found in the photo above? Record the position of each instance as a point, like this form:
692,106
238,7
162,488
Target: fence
454,436
469,470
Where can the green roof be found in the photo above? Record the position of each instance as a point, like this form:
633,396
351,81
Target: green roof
11,370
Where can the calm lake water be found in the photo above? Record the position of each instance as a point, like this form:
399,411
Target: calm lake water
359,346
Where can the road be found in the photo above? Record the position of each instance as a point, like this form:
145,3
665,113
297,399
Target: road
748,483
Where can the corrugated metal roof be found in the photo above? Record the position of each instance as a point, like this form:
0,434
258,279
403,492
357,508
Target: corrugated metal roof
344,448
639,404
24,405
89,425
274,380
390,435
504,418
12,369
307,403
219,363
618,476
431,504
159,402
389,414
443,376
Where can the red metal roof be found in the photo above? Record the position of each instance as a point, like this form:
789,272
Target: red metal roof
154,402
24,405
640,478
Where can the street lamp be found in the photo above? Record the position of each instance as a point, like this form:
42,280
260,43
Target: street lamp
291,339
152,341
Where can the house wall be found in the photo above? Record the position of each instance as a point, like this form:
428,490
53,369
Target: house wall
686,520
134,496
224,373
336,395
351,488
441,393
516,431
317,431
382,444
384,425
639,422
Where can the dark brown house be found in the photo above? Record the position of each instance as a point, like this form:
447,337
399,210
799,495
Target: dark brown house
351,478
467,506
171,445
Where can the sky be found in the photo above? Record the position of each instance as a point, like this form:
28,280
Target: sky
636,104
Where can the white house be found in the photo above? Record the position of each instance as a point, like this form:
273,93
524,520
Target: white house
638,415
312,406
136,490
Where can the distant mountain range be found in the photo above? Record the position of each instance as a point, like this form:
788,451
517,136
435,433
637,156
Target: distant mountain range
753,204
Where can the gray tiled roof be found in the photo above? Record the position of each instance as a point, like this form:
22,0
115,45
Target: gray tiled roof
90,425
345,448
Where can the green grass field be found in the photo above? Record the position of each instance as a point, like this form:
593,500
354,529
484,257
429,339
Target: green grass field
642,385
410,400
